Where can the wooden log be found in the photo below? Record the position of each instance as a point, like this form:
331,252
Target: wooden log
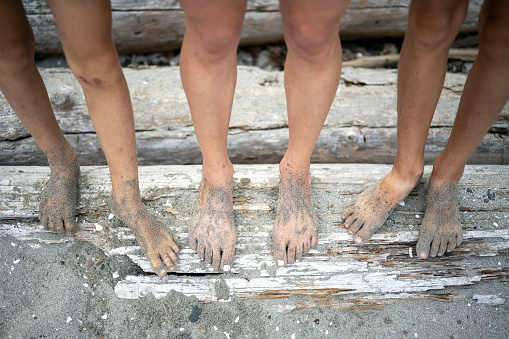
158,25
392,60
336,274
360,127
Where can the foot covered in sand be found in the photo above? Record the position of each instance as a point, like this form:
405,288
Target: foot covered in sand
296,227
372,208
57,209
155,240
440,230
211,230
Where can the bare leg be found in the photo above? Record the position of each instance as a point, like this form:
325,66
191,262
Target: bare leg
432,27
209,72
312,72
86,23
484,96
23,87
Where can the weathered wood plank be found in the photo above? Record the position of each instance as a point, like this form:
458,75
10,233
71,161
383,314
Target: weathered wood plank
159,25
382,271
361,126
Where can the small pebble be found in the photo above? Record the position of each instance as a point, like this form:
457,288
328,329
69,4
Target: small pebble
417,216
280,263
110,216
491,194
13,244
69,319
202,330
410,252
495,224
17,261
104,316
237,319
98,227
486,200
402,203
469,190
115,275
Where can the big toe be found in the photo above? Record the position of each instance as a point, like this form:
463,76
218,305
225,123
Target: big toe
423,246
157,265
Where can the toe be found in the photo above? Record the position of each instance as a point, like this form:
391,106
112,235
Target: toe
216,258
306,247
173,257
290,254
208,255
423,245
347,211
443,247
57,224
227,257
70,225
201,251
157,264
452,244
350,220
435,246
364,234
279,254
314,240
168,262
193,243
459,239
356,226
298,252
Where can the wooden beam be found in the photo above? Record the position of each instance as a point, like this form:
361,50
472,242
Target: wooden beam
158,25
360,127
384,270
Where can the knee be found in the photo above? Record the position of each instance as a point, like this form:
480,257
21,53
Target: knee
218,41
494,41
97,70
17,54
432,27
313,40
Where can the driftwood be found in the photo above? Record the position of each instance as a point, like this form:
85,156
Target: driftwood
336,274
156,25
361,126
392,60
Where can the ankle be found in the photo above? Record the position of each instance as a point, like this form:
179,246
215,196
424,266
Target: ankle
292,167
409,171
218,173
62,156
446,170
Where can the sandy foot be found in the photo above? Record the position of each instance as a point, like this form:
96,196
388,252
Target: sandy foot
57,209
211,230
372,208
440,230
155,240
295,230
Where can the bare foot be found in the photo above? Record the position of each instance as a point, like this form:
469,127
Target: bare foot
57,209
372,208
155,240
440,230
211,231
295,230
